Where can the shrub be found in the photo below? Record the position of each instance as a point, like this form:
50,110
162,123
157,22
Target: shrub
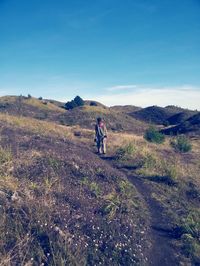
29,96
5,156
93,104
191,224
40,98
181,144
70,105
79,101
124,153
149,161
153,135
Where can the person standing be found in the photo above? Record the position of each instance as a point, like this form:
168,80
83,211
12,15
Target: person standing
100,135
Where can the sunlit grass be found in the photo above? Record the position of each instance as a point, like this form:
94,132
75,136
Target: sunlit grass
42,104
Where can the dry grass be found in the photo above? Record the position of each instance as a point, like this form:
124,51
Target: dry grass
95,109
36,126
9,99
43,105
156,160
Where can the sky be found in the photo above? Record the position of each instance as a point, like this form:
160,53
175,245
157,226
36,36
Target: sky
139,52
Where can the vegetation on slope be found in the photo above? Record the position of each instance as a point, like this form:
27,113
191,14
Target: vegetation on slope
173,181
61,204
189,126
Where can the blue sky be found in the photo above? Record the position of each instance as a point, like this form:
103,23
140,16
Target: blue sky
139,52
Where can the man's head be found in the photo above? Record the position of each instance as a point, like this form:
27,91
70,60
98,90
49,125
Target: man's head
99,120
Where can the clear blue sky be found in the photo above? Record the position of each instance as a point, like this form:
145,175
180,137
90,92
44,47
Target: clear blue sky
99,48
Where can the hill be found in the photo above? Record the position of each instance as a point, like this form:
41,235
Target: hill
171,115
189,126
86,117
30,107
61,204
49,110
153,114
127,109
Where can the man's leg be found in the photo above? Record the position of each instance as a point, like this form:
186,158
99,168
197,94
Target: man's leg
104,145
99,146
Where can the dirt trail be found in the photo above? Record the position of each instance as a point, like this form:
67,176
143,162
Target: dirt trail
161,234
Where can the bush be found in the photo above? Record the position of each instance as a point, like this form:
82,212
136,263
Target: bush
181,144
93,104
70,105
124,153
78,101
153,135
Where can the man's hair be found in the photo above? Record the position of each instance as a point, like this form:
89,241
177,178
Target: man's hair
99,119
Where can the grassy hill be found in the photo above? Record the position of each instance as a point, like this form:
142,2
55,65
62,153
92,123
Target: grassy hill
30,107
153,114
189,126
163,115
49,110
61,204
127,109
86,116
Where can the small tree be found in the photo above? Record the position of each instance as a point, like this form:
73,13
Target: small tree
79,101
181,144
70,105
153,135
93,104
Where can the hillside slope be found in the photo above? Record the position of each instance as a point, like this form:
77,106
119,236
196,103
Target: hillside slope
62,205
189,126
30,107
153,114
86,116
163,115
49,110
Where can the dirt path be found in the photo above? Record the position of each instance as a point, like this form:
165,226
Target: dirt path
161,234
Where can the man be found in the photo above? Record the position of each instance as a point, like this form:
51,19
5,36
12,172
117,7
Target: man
100,135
